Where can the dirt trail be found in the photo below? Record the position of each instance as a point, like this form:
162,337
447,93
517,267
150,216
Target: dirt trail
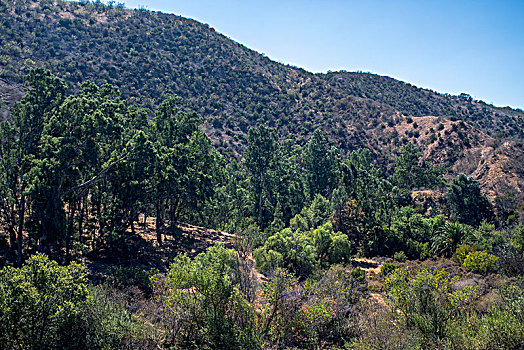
372,269
368,265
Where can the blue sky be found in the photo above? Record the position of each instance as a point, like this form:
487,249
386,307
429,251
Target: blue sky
456,46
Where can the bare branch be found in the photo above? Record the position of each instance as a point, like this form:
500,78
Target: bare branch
95,178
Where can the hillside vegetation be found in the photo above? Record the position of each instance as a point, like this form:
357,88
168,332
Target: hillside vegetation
151,56
162,187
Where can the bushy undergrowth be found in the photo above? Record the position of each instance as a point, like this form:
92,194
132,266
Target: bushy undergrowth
303,252
480,261
387,268
320,310
462,252
429,312
203,302
47,306
426,300
214,302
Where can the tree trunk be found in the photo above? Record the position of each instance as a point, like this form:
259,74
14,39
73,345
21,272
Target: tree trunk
171,215
260,202
174,214
69,233
12,238
81,221
20,229
159,223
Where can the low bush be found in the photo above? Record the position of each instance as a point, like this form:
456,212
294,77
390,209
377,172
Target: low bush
502,327
293,250
267,260
303,253
124,277
358,274
315,312
426,299
203,302
480,262
462,252
47,306
40,304
387,268
400,256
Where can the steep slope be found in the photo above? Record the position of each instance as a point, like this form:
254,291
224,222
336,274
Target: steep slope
153,55
413,101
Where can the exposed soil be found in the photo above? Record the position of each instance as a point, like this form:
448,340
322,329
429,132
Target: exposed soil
143,249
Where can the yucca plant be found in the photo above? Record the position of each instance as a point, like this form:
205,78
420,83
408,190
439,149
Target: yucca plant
450,237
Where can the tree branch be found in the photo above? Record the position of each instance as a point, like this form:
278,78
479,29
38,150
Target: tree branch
94,178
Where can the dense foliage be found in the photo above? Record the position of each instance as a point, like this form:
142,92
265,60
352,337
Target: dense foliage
78,170
310,199
47,306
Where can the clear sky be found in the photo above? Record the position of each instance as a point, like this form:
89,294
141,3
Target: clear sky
449,46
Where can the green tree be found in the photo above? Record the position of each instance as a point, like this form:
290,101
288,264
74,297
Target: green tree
84,142
9,182
320,164
466,202
411,171
186,168
20,141
288,185
366,217
259,159
449,237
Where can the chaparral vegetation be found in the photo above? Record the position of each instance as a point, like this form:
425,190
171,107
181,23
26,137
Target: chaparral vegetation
164,192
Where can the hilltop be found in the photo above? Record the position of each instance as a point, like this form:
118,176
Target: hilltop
152,55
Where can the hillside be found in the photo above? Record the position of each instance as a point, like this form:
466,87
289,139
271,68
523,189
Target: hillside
150,56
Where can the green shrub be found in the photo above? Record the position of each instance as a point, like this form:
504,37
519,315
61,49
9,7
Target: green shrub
40,303
47,306
108,324
204,306
266,261
293,250
400,256
313,319
462,252
303,253
310,314
480,261
123,277
426,251
502,327
358,274
387,268
331,247
427,300
517,239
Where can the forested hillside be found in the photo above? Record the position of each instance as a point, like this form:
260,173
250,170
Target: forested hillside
162,186
150,56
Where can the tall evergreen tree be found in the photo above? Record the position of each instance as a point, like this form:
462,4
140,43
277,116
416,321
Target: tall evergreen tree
321,165
466,202
23,137
259,159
